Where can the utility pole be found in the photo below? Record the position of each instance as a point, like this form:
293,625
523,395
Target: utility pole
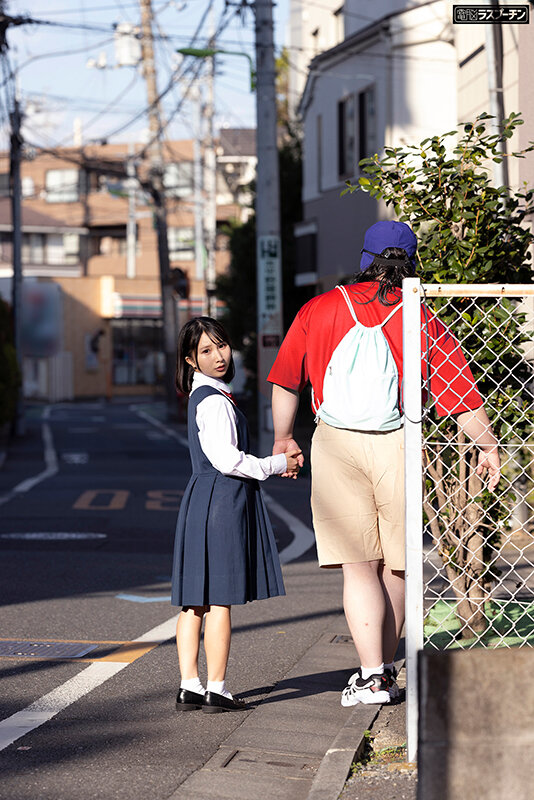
16,215
268,242
196,97
210,183
16,221
157,190
494,63
131,227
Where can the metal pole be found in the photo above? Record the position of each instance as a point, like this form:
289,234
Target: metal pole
15,155
268,242
210,183
157,190
196,97
131,227
413,472
493,46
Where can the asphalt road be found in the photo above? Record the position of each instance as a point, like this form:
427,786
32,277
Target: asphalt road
88,504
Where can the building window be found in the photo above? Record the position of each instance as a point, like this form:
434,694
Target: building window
28,186
51,248
62,185
366,123
181,244
178,179
138,356
108,241
345,135
33,248
4,184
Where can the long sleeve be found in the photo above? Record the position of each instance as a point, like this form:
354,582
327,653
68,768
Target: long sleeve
216,422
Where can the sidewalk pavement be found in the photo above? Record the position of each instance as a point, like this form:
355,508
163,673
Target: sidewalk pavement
299,743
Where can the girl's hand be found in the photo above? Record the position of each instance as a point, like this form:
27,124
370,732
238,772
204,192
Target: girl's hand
287,446
293,463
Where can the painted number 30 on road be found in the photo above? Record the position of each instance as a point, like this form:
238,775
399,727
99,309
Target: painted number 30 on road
116,500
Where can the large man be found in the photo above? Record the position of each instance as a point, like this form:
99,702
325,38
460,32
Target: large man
348,344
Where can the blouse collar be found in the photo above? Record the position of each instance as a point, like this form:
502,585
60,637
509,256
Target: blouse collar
199,379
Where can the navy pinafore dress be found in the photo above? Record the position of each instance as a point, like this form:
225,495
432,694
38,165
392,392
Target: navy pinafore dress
224,550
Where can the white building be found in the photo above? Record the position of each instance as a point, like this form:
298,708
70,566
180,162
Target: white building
391,81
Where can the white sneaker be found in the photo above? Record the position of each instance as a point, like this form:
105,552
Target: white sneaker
393,689
373,689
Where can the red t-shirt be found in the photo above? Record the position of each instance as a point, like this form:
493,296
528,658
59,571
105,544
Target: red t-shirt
322,323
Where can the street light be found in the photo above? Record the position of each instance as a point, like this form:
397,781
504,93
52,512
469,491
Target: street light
208,52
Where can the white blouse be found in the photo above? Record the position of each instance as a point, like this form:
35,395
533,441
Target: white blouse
216,421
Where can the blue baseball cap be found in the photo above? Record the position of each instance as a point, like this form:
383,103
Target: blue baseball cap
387,233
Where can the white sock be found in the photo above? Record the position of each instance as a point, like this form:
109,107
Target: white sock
219,688
193,685
368,671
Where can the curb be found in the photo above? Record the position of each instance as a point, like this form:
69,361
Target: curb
346,748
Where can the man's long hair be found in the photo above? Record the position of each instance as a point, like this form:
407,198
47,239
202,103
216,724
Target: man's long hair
388,276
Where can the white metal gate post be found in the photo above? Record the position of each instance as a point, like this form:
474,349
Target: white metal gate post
413,472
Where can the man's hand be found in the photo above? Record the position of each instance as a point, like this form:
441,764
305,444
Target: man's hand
490,460
288,446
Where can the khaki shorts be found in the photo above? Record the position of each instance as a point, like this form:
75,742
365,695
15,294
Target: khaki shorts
358,496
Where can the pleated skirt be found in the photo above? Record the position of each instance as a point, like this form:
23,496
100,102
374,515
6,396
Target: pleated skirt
225,552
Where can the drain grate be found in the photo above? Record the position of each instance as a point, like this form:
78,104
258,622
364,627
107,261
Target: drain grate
15,649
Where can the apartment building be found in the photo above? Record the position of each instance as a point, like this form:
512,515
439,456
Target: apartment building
91,282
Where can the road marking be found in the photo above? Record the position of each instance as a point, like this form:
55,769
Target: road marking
52,535
75,458
153,421
156,436
50,458
117,501
47,706
163,499
303,537
138,598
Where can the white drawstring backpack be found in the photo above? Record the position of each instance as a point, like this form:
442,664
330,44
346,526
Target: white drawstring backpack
361,382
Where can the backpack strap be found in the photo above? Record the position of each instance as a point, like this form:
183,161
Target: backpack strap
391,313
348,302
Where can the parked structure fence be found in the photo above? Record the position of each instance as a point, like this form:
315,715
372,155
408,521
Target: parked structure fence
470,552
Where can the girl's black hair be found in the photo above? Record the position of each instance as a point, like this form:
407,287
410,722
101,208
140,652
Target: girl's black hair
389,276
188,340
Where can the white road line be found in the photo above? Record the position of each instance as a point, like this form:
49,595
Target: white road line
153,421
50,457
47,706
303,536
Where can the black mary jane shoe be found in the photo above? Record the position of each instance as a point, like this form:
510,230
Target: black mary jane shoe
188,701
215,703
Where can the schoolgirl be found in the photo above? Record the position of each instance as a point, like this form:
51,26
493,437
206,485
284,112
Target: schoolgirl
224,552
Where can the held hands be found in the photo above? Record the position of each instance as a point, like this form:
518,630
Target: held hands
490,460
293,454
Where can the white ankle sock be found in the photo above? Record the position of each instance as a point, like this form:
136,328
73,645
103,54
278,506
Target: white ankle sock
368,671
192,685
219,688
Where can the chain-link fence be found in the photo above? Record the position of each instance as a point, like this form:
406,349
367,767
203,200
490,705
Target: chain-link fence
470,563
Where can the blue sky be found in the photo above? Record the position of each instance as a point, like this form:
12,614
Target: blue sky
56,86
